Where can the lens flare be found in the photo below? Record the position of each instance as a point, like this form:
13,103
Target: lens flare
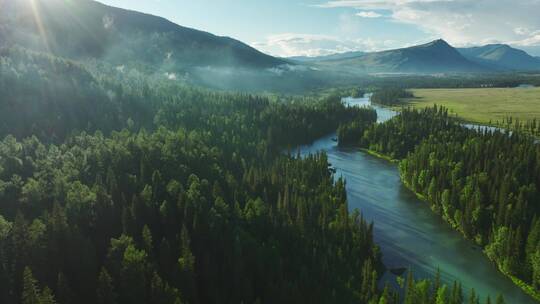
39,23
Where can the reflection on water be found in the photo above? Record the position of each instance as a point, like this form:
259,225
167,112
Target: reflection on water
383,114
409,233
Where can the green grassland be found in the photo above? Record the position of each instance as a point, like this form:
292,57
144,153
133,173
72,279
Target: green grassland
483,105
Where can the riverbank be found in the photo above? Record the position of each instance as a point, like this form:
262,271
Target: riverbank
527,288
379,155
409,233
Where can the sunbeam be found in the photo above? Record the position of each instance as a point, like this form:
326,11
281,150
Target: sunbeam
39,23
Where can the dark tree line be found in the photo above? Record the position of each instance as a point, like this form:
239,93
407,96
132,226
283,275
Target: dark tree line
348,133
497,80
390,96
485,183
531,127
53,98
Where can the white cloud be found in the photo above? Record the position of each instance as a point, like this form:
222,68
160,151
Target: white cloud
369,14
533,40
291,44
372,4
461,22
521,31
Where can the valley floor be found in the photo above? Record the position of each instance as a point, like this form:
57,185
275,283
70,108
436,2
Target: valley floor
485,105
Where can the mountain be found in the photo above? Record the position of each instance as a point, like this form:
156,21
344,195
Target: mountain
85,29
434,57
337,56
501,56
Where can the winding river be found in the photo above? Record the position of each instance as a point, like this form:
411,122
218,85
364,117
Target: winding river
408,232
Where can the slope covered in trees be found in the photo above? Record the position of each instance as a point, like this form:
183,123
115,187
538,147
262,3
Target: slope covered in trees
485,183
86,29
120,188
51,98
125,191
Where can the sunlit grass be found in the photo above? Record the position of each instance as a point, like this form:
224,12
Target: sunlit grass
483,105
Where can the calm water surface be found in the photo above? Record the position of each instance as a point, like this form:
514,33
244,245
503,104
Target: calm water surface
409,233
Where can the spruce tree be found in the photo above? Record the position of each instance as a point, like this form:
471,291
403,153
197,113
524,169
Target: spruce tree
105,293
30,293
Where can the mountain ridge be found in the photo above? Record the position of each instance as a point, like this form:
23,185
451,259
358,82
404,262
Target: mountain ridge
434,57
84,30
334,56
501,56
90,29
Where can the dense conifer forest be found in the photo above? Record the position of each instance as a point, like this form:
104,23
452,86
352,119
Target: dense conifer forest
146,162
175,195
484,182
121,188
390,96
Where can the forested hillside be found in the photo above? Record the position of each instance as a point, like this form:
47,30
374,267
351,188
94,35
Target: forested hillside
119,190
485,183
86,29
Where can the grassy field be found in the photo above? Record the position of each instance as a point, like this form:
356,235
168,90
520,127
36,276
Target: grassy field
483,105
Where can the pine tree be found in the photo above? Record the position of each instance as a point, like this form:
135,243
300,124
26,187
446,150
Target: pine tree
186,264
442,298
384,299
20,244
134,276
63,290
436,285
30,292
410,291
186,260
473,298
161,292
147,240
457,294
46,297
105,293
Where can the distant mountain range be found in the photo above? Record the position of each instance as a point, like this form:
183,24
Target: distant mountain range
86,30
337,56
434,57
502,56
81,29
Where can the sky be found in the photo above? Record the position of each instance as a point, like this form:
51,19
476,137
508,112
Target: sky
320,27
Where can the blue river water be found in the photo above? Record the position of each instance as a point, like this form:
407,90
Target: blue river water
409,233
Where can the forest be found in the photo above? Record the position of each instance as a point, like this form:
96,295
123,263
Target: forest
180,195
143,161
390,96
120,188
484,182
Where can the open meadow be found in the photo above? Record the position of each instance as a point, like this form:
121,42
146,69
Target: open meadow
483,105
